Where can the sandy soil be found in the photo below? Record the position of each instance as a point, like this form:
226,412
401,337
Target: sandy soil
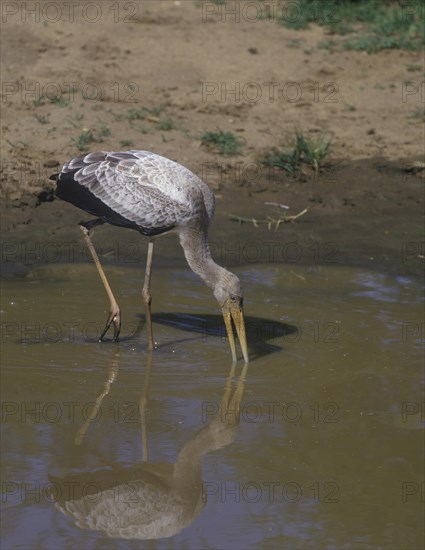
156,74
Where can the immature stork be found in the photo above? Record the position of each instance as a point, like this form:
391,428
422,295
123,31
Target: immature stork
154,195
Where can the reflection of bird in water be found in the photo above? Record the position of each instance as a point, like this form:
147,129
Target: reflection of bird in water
150,500
154,195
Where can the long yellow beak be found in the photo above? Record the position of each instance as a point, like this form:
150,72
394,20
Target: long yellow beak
234,313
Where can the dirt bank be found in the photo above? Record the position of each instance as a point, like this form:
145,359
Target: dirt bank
156,75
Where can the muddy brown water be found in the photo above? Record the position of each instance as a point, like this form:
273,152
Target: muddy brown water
103,447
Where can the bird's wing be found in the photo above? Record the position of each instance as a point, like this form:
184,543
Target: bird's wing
146,189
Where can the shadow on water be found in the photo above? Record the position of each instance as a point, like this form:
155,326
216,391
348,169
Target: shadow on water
146,500
259,330
328,451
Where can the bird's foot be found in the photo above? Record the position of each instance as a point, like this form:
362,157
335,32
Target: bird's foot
115,318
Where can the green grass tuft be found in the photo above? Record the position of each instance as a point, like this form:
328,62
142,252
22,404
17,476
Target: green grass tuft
136,114
83,140
418,114
374,24
126,143
42,119
165,124
227,143
95,135
305,151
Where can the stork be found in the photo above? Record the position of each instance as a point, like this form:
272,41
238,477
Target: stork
153,195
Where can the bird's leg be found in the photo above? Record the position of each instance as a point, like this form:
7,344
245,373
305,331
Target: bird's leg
114,311
143,402
92,416
147,295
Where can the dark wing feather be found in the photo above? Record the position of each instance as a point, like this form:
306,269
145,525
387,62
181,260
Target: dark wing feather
68,189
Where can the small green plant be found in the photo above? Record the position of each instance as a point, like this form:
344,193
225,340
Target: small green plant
157,110
103,131
83,140
294,43
126,143
305,151
75,121
330,45
418,114
61,101
88,136
39,101
136,114
412,67
42,119
226,143
143,129
165,124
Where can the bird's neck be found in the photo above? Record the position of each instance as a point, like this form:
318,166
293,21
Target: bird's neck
213,436
198,255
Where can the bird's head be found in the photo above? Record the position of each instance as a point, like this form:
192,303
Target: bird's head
228,293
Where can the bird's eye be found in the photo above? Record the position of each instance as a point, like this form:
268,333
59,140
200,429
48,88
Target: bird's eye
233,299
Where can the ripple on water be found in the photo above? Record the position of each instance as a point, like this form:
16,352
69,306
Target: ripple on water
323,408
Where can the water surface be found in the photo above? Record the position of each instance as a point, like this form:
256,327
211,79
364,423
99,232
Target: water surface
317,444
